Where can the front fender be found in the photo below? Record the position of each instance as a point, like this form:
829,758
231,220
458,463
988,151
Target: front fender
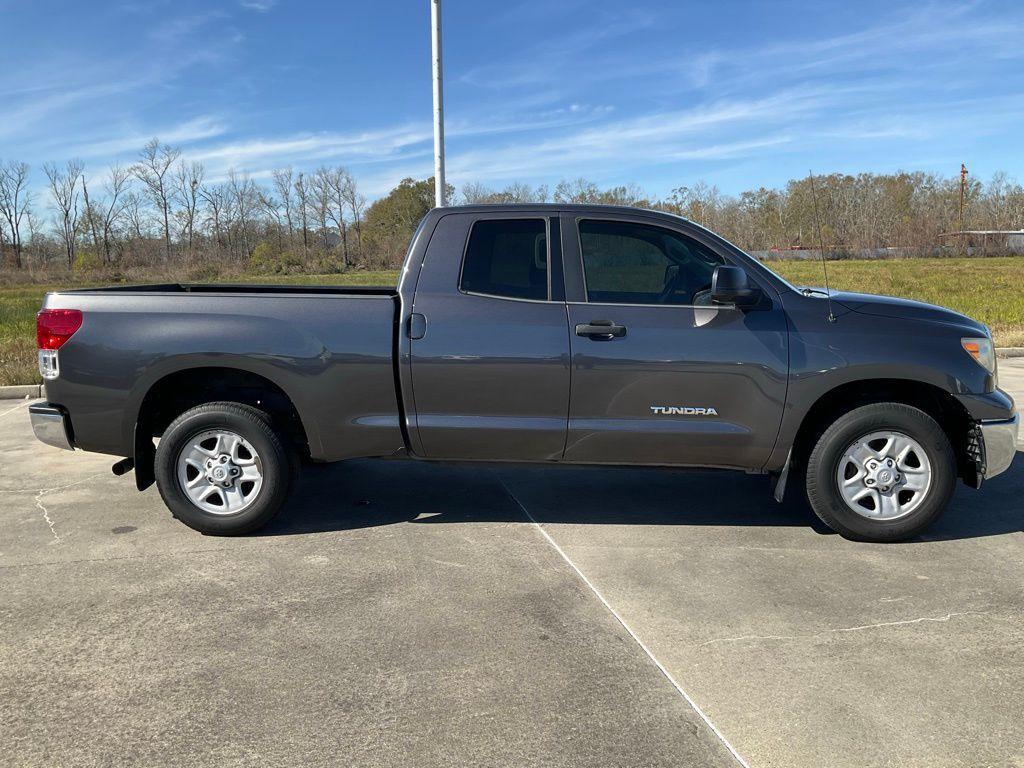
857,347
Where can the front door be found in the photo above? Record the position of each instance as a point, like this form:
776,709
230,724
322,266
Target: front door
673,379
490,374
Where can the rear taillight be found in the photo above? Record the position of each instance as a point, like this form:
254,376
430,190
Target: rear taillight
55,326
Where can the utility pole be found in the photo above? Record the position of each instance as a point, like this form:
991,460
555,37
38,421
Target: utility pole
435,52
963,190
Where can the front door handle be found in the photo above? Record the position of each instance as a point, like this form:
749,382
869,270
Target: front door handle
601,330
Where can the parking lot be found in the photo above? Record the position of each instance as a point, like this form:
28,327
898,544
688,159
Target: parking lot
402,613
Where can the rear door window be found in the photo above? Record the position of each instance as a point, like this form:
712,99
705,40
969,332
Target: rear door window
507,258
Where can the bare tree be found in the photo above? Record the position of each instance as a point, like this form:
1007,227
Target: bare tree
14,204
321,201
577,191
153,170
283,186
64,188
216,203
37,239
517,192
474,192
304,196
356,203
188,179
245,199
272,207
332,195
90,216
135,212
113,208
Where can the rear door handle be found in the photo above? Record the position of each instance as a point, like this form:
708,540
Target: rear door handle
417,326
601,330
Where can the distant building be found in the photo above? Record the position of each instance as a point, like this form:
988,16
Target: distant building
1007,240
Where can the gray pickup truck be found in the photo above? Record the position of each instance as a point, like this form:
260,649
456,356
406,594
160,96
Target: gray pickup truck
551,334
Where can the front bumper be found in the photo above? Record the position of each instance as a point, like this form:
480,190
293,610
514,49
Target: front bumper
1000,441
50,425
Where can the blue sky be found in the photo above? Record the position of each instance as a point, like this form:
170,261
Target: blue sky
740,94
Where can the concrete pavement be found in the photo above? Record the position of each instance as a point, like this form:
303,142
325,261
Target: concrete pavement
411,614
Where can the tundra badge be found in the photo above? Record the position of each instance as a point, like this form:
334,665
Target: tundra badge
682,410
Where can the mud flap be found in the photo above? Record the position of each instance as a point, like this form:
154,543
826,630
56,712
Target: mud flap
780,484
145,458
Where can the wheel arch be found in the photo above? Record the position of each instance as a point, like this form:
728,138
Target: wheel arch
177,391
942,406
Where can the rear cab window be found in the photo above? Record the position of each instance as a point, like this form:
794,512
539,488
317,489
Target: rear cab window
507,258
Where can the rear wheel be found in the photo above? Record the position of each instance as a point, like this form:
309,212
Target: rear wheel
882,472
222,469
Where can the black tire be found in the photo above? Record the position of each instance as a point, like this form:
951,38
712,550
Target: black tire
277,466
823,492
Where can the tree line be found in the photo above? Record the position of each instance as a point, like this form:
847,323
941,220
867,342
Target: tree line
161,211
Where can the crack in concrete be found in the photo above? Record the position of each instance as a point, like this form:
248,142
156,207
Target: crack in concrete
40,492
858,628
46,516
55,488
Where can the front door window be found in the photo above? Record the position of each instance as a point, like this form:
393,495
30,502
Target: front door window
629,263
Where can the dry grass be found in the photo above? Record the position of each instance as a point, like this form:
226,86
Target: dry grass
989,290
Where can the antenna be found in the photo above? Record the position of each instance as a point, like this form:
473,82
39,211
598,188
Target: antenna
821,245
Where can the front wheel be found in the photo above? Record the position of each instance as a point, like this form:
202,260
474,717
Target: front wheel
882,472
222,469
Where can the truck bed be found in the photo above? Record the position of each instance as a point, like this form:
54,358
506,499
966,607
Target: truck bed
244,288
329,349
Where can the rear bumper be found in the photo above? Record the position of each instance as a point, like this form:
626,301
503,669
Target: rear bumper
1000,438
50,425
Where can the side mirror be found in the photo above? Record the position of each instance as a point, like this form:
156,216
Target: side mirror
730,285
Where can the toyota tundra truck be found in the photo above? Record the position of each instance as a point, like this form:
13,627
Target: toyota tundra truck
551,334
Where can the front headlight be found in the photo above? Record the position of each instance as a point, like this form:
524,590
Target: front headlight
982,351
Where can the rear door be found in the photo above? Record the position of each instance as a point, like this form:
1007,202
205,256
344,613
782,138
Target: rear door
673,380
490,369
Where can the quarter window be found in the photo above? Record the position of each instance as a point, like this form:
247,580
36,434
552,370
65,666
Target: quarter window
507,257
628,263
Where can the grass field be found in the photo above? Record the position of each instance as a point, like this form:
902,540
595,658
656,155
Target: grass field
989,290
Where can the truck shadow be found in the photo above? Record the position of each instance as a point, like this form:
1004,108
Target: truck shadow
368,493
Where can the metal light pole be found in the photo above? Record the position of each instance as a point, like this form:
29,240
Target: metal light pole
435,52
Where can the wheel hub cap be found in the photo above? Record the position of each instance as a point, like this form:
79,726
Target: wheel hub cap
884,475
220,472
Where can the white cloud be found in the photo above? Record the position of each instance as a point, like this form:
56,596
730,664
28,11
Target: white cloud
308,149
175,29
196,129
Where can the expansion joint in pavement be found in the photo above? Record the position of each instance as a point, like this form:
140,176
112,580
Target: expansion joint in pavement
608,606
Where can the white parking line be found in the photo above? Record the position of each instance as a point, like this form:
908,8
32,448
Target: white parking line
19,405
618,618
